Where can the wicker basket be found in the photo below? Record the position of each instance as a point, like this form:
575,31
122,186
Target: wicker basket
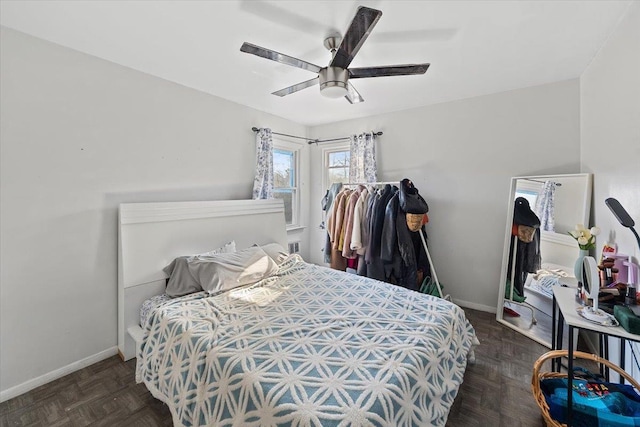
537,376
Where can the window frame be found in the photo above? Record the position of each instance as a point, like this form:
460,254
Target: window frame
531,189
338,148
295,149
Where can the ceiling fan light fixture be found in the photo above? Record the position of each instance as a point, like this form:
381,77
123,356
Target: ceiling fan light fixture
334,90
333,82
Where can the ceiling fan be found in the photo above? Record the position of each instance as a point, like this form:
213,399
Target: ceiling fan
334,78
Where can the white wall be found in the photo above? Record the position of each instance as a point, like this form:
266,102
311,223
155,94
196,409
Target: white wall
610,140
610,129
461,156
80,135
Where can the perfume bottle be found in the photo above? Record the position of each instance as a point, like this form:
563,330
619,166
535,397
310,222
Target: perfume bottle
580,294
630,299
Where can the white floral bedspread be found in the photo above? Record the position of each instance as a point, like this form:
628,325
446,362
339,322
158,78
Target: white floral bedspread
309,347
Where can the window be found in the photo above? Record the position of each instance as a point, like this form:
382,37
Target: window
531,196
529,190
336,166
285,181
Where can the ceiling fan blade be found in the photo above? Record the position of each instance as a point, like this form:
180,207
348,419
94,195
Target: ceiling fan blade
279,57
353,96
359,29
295,88
389,70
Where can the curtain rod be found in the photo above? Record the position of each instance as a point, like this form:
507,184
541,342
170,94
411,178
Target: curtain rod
311,141
557,184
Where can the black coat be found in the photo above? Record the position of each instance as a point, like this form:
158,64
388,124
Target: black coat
528,260
375,266
401,249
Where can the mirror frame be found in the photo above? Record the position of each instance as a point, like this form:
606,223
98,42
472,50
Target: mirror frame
562,239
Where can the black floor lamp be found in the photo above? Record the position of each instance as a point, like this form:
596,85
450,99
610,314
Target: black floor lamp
622,216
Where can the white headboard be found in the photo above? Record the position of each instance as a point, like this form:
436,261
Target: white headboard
151,235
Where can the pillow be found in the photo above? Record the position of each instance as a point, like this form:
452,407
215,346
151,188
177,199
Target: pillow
275,251
227,271
228,248
181,281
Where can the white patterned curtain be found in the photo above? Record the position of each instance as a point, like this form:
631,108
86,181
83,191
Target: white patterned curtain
263,183
362,163
545,206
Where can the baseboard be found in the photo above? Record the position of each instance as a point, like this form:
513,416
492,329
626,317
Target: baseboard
475,306
26,386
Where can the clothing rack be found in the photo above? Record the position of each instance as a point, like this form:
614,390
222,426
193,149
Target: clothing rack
432,268
312,141
424,242
353,184
420,232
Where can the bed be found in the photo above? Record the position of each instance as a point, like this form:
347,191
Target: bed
304,346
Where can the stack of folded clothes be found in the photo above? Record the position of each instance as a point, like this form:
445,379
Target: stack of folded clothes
545,279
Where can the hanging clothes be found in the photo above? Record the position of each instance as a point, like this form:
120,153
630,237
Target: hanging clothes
342,219
350,221
358,234
365,227
375,265
327,207
376,232
406,261
336,230
526,226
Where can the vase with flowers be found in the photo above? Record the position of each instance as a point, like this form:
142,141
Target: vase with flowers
586,238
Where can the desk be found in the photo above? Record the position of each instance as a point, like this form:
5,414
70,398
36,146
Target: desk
565,304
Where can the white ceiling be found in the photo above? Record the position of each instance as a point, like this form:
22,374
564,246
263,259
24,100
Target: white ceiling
474,47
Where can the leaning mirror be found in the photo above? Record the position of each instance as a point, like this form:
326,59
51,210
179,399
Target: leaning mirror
538,251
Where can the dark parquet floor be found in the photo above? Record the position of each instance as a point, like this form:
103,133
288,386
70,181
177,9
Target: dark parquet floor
496,391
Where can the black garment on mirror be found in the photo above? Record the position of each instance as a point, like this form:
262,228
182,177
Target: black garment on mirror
527,253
